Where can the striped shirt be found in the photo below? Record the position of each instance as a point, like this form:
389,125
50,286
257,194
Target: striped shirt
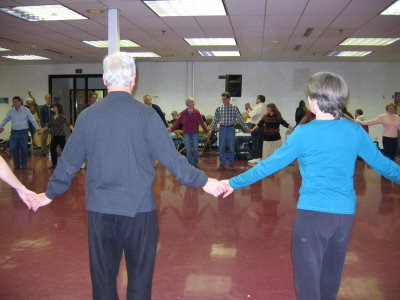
227,115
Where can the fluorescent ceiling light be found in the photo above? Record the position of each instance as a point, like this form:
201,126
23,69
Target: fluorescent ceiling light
219,53
143,54
368,41
392,10
348,53
168,8
211,41
26,57
104,44
42,13
4,49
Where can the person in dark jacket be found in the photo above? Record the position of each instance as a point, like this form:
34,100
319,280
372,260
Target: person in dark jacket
301,111
122,213
149,101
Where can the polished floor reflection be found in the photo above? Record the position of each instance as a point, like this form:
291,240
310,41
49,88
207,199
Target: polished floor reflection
235,248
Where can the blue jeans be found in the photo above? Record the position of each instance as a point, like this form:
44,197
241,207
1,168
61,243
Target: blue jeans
191,141
227,140
19,147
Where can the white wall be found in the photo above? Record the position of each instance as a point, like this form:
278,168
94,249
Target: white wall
371,84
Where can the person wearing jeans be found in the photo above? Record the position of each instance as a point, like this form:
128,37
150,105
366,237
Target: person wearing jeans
326,150
227,115
20,117
191,119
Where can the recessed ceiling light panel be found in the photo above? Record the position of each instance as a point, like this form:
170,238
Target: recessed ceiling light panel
348,53
143,54
168,8
4,49
104,44
42,13
211,41
26,57
219,53
392,10
368,41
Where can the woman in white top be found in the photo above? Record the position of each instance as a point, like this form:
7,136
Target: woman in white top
391,125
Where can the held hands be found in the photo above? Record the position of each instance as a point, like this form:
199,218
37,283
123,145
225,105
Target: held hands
26,196
39,201
218,188
214,187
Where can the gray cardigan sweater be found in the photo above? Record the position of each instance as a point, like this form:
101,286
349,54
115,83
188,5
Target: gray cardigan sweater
121,138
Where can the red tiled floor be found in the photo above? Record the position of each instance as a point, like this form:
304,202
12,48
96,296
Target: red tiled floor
235,248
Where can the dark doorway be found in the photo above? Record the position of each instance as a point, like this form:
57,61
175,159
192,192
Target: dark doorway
72,91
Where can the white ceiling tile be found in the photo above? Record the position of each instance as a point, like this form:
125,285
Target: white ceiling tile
213,21
281,21
367,7
245,8
350,21
286,7
325,7
247,22
181,22
219,32
316,20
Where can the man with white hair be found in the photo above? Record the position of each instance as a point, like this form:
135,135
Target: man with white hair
122,213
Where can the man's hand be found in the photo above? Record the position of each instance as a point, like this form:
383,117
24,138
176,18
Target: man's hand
248,130
1,130
169,129
27,196
209,133
214,187
39,201
229,189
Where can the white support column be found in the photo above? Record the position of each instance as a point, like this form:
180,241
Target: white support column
113,31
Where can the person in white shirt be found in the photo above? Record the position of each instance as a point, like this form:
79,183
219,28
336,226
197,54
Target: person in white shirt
391,127
359,118
256,115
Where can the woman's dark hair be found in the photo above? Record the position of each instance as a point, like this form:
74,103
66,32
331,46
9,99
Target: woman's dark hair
261,98
330,91
275,110
303,106
59,108
359,111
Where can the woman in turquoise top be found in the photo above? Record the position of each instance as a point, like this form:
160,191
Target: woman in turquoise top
326,150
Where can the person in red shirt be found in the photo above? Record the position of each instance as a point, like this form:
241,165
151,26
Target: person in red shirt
191,119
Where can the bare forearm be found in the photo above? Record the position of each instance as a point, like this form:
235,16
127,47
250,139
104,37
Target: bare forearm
8,176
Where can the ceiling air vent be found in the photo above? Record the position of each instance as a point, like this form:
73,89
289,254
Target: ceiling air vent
308,32
297,48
